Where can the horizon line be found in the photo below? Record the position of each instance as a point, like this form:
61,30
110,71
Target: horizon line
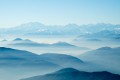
59,24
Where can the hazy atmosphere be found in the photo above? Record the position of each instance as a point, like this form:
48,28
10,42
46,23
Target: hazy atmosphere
59,40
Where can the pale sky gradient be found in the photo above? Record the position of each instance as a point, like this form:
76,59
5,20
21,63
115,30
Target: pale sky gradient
59,12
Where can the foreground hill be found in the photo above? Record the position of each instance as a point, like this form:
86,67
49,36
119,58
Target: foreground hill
73,74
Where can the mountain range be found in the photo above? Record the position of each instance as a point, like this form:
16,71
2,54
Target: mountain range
36,28
16,64
27,62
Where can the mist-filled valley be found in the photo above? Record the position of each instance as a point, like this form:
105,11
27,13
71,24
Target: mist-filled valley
34,51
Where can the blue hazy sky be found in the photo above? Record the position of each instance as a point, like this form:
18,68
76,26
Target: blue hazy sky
59,12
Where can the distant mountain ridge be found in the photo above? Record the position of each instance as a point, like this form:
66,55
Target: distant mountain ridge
28,43
25,42
36,28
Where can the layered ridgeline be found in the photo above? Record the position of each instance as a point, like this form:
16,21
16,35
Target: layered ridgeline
24,64
16,64
14,57
106,57
41,47
73,74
